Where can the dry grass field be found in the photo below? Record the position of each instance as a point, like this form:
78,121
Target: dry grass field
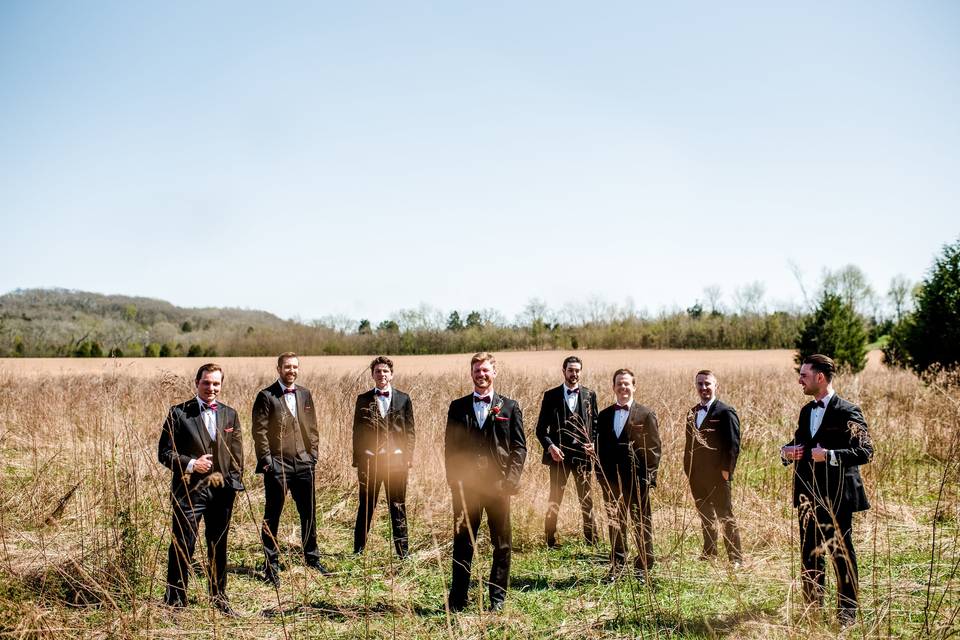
84,515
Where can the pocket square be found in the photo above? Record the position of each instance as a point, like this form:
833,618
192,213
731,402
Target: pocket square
501,418
230,430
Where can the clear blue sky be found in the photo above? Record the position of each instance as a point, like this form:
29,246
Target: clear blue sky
358,158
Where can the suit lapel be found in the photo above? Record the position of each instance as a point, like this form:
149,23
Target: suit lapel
299,395
199,426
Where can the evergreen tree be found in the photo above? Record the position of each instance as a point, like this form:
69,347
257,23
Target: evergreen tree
931,334
836,330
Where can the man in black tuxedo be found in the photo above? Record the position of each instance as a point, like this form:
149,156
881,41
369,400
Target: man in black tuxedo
565,428
286,441
830,444
710,453
201,443
628,453
383,441
484,452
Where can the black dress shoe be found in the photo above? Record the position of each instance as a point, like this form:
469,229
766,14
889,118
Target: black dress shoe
496,606
223,606
456,605
316,565
271,574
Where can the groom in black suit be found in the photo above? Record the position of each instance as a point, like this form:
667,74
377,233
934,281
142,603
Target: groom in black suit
484,452
286,441
383,441
565,428
201,443
628,452
830,444
710,452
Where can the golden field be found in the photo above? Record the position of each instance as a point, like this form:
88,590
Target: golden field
84,522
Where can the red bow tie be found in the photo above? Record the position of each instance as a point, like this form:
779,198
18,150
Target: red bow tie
212,406
383,394
286,391
483,399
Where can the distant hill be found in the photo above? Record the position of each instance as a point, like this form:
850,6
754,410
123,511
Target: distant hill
62,322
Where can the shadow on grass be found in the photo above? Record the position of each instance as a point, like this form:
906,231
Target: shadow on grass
344,612
703,626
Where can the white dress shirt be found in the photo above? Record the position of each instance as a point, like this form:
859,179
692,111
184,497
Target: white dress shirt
383,403
620,418
816,414
571,398
289,398
702,412
209,418
481,409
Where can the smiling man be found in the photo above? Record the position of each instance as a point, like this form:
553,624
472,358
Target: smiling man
565,428
286,440
484,452
201,443
383,441
628,452
710,452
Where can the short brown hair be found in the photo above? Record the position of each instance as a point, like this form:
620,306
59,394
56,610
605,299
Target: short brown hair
571,360
381,360
822,364
210,367
286,355
706,372
620,372
483,356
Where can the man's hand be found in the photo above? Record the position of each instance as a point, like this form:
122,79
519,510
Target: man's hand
818,453
794,452
555,453
203,464
725,474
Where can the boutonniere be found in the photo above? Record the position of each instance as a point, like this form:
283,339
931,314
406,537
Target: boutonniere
495,410
228,430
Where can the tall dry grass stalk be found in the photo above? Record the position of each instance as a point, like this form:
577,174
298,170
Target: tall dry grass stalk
85,518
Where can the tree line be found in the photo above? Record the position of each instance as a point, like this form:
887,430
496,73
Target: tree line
916,325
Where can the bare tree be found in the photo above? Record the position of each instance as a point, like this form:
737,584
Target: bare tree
899,295
850,283
748,299
712,294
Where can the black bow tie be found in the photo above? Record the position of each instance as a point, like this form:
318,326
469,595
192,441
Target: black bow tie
483,399
286,391
700,408
622,407
577,390
384,394
818,403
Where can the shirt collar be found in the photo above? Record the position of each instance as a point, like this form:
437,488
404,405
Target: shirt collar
283,386
629,404
204,404
386,389
826,399
709,404
567,390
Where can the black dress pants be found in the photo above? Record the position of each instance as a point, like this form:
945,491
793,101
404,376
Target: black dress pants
559,472
298,479
627,501
468,509
215,506
714,502
824,531
371,480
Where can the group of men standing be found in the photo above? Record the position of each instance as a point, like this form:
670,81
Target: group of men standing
484,454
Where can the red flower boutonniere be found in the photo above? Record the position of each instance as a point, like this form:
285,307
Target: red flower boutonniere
495,410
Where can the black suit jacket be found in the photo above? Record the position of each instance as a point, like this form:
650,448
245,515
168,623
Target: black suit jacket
184,437
714,447
488,460
844,431
638,444
270,413
569,436
382,435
